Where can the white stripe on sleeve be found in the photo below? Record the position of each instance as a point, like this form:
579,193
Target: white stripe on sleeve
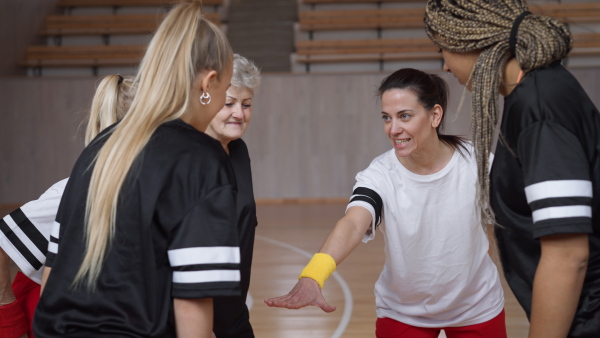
557,189
53,247
562,212
204,255
55,232
206,276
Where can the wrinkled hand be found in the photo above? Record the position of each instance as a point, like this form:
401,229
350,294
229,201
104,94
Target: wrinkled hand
306,292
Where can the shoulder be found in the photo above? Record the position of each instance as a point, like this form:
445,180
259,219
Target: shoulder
379,168
56,190
467,157
384,161
178,143
238,144
238,148
467,150
547,93
179,153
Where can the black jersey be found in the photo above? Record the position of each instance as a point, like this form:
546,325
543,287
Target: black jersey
546,180
231,317
176,237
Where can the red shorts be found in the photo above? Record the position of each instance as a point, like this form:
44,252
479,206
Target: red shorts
494,328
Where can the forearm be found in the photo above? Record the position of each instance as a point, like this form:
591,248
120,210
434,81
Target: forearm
6,293
12,317
45,275
193,317
347,234
556,290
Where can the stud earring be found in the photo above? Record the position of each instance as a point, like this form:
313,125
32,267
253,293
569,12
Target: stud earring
205,96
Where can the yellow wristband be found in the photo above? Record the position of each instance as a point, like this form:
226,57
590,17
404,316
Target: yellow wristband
320,267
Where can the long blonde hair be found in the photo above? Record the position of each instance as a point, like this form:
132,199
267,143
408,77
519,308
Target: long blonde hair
110,103
184,45
472,25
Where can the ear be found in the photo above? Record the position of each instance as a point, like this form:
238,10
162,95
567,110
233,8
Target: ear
206,77
436,115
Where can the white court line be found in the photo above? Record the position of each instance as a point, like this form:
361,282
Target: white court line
348,301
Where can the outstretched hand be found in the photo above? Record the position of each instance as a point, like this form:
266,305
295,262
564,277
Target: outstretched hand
306,292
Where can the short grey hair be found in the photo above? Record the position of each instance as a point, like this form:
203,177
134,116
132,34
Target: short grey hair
245,74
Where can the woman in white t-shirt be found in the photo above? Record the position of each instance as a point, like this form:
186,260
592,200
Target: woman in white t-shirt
437,273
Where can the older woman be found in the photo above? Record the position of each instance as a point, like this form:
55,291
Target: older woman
228,126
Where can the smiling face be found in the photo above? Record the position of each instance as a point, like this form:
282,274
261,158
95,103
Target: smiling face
233,119
408,125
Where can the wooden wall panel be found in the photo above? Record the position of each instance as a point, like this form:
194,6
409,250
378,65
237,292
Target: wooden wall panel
20,22
309,136
39,121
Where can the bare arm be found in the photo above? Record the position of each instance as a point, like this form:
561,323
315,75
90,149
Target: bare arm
557,284
344,238
6,293
45,275
193,317
347,234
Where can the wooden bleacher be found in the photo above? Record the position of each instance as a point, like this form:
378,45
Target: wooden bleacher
83,56
310,51
569,12
127,3
316,2
381,18
408,49
62,25
326,51
106,54
361,19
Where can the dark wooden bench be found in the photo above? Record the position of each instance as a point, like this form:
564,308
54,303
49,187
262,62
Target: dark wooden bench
586,44
409,49
315,2
321,20
83,56
361,19
321,51
128,3
570,12
61,25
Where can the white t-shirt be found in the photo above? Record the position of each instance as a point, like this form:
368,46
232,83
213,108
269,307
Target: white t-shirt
437,271
24,233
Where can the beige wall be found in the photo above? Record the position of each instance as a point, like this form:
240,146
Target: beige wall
309,136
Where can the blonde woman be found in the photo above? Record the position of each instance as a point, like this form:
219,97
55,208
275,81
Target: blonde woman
26,230
544,183
143,240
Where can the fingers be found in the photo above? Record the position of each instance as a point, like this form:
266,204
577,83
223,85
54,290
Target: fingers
306,292
289,301
325,306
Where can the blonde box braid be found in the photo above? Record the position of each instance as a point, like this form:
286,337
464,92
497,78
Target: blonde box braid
485,25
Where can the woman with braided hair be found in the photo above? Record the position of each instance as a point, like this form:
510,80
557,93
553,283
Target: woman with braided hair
543,185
